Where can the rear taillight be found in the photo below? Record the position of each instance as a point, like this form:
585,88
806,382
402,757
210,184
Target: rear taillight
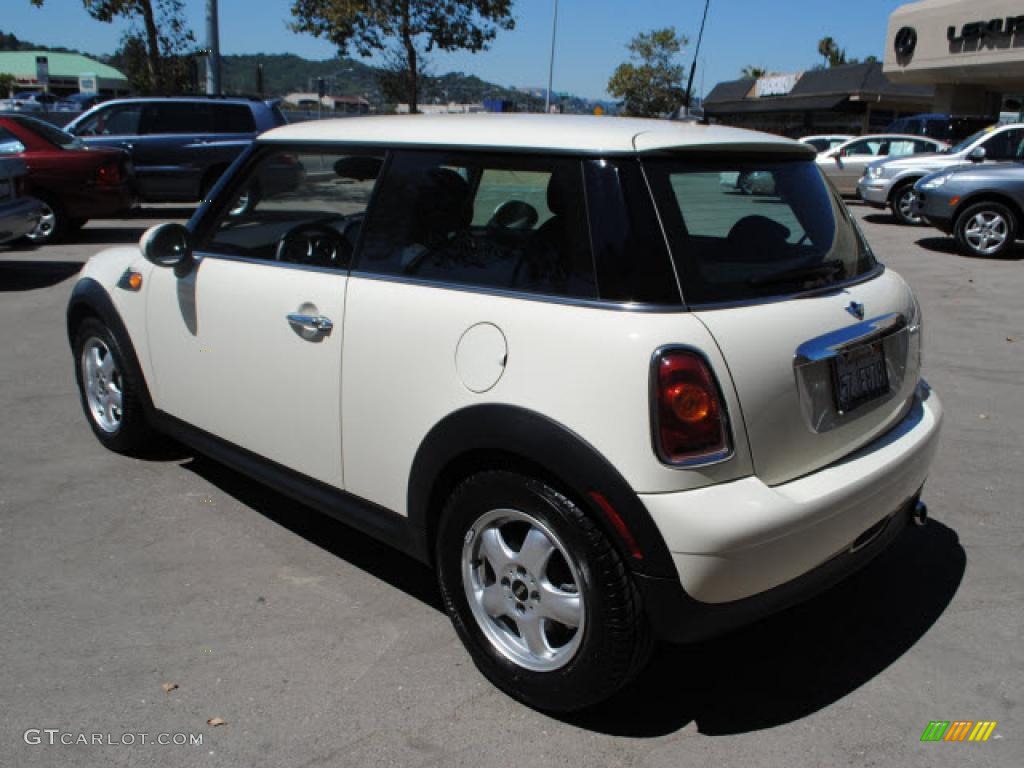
688,413
109,174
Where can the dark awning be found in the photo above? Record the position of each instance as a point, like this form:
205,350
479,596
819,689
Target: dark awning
822,103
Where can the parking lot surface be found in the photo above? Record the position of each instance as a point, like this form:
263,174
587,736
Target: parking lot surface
319,647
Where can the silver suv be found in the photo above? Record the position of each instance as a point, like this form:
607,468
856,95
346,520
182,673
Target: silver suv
890,183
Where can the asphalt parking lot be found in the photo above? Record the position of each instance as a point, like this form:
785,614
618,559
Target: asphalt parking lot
318,647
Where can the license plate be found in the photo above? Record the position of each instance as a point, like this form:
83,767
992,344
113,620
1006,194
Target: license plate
859,375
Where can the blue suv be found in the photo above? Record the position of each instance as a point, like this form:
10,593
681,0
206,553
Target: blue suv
179,146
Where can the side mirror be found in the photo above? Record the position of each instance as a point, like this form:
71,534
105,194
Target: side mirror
977,155
167,245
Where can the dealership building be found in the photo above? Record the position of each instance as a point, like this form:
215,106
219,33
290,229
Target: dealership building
68,73
971,53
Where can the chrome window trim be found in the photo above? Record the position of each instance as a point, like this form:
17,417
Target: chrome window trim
719,457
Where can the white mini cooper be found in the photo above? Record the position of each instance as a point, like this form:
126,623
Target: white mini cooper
607,397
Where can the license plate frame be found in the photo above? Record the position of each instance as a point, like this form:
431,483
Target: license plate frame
860,375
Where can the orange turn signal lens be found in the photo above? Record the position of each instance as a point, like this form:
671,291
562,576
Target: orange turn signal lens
954,200
135,281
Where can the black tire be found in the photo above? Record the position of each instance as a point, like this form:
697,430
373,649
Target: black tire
132,435
53,227
615,643
901,200
1004,225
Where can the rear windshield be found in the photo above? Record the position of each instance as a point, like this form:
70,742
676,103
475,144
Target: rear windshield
752,229
49,132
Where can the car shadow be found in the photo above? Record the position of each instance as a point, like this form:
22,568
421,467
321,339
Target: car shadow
797,662
33,275
781,669
165,213
948,245
366,553
886,219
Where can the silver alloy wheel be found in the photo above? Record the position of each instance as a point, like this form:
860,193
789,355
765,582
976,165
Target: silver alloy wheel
531,620
47,223
103,385
986,232
905,202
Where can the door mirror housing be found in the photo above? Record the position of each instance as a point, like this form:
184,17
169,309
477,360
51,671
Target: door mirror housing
168,245
977,155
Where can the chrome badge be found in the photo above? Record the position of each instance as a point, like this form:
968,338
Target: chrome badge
856,309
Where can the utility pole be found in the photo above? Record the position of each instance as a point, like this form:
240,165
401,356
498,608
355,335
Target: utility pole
551,66
213,87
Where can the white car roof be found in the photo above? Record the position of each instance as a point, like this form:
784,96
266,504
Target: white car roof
543,133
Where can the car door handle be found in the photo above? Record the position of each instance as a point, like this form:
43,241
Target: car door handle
311,326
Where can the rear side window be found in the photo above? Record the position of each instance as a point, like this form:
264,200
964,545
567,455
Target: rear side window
173,117
1006,145
781,231
495,221
233,118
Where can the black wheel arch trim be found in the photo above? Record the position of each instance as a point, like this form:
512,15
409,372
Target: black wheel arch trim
90,298
492,436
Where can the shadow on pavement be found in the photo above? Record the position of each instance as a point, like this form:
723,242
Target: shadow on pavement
33,275
797,662
883,218
105,236
164,214
948,245
383,562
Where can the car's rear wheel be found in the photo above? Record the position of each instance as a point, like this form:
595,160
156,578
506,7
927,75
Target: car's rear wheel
987,229
537,593
110,390
53,222
904,198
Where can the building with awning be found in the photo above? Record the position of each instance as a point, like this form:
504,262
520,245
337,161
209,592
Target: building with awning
67,70
853,98
971,53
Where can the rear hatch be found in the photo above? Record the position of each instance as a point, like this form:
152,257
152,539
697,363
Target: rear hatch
822,343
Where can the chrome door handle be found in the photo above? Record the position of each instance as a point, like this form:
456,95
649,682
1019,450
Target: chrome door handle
311,325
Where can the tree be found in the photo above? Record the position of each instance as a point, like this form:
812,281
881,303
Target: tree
7,83
164,32
652,83
414,26
830,51
753,73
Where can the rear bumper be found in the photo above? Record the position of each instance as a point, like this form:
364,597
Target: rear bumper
18,219
744,549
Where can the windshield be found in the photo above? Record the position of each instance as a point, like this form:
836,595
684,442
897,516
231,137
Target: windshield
49,132
971,139
752,229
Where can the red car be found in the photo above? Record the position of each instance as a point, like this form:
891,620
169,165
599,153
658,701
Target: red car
73,182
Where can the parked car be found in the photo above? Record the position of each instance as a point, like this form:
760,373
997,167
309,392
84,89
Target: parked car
890,182
946,128
29,101
980,205
19,213
828,141
73,182
180,147
78,102
845,164
524,398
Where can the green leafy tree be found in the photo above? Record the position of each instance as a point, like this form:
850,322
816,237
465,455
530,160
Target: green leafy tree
753,73
652,82
830,51
7,83
414,26
164,34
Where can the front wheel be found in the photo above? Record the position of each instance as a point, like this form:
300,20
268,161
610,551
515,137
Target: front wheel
537,593
903,201
987,229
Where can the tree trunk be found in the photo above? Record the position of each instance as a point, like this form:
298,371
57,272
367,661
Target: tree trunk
152,46
412,75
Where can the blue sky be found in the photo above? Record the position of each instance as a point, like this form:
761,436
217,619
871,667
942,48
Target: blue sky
780,35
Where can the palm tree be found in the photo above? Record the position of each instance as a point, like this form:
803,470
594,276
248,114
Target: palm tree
753,73
830,51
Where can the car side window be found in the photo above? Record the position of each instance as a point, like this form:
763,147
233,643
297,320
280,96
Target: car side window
866,147
296,206
9,143
902,147
495,221
921,147
1005,145
171,117
123,120
233,118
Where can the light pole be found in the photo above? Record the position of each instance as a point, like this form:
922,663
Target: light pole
551,65
213,49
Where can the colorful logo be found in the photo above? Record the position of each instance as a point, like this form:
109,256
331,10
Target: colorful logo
958,730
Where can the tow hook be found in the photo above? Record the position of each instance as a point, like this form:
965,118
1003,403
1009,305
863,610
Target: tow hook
920,514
